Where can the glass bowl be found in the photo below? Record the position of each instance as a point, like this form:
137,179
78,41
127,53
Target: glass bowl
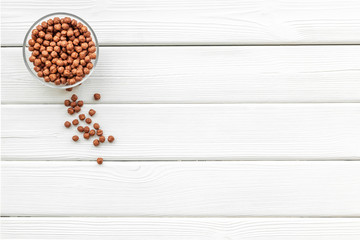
27,52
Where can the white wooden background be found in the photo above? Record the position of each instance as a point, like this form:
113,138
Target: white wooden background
234,119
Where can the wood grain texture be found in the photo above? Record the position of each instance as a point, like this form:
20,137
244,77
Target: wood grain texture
181,228
184,189
197,22
187,132
202,75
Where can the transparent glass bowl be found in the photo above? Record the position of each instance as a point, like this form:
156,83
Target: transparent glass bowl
27,53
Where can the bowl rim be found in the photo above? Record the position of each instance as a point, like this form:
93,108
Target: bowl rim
27,64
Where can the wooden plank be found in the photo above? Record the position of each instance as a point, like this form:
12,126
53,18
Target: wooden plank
182,228
187,132
202,75
197,22
186,189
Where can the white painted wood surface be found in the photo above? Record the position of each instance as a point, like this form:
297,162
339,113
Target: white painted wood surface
181,102
182,189
202,75
197,21
182,228
187,132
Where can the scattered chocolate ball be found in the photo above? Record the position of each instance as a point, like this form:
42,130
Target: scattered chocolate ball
67,103
59,47
82,117
77,109
96,142
75,138
74,97
99,161
96,126
86,129
75,122
111,138
71,111
88,120
73,104
99,132
86,135
92,112
80,128
97,96
69,89
80,103
102,139
67,124
92,132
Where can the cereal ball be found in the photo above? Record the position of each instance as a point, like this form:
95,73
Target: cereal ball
80,103
39,40
96,126
54,55
84,45
65,26
36,32
48,64
99,161
96,142
97,96
80,128
67,124
111,138
37,62
86,129
61,70
48,36
77,109
71,111
99,132
73,104
45,54
92,49
75,138
82,117
52,77
50,22
78,49
31,42
74,97
102,139
88,120
92,55
86,135
75,122
92,112
46,72
73,22
67,102
81,38
56,20
41,34
92,132
70,33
